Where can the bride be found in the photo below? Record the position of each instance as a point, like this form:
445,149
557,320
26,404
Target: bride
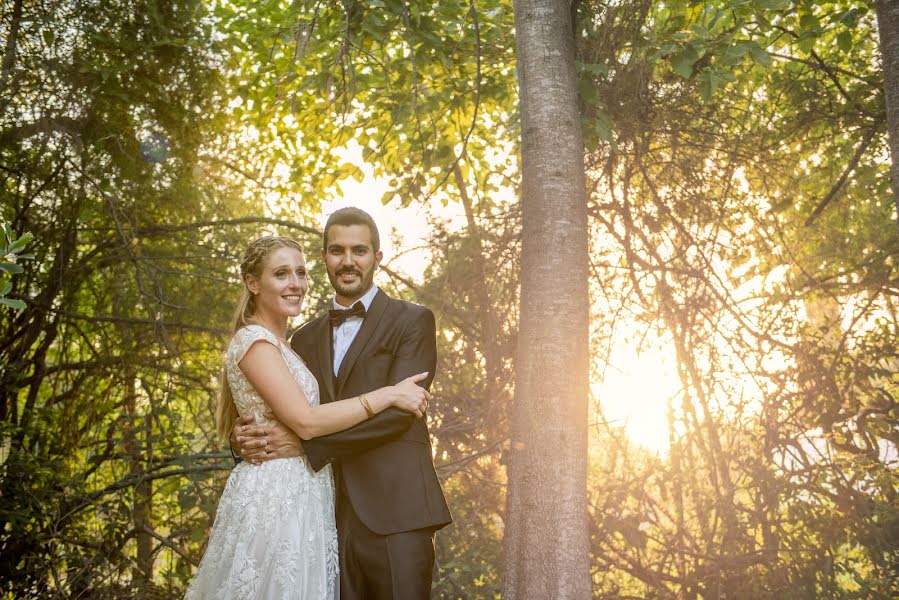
274,535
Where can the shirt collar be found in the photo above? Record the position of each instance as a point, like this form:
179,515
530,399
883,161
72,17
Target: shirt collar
366,299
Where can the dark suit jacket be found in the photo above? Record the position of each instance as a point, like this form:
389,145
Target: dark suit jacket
385,463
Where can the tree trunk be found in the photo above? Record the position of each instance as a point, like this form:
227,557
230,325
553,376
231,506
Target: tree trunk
547,544
143,490
888,25
9,52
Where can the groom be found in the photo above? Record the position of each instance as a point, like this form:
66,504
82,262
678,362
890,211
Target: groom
389,501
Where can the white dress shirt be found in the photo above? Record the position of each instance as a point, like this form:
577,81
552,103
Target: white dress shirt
346,332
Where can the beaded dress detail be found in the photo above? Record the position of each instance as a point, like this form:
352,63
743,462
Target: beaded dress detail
274,536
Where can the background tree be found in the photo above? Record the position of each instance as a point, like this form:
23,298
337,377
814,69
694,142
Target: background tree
741,208
546,535
107,376
888,28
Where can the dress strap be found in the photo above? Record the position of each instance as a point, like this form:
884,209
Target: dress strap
245,337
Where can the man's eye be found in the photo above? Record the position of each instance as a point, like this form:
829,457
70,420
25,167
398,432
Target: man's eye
301,273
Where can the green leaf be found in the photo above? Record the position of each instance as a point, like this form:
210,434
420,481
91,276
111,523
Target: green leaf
603,126
14,304
587,91
844,41
809,23
11,267
733,55
667,49
759,54
807,42
20,243
5,287
683,65
709,81
773,4
596,69
850,17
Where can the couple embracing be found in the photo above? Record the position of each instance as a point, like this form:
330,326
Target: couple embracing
336,495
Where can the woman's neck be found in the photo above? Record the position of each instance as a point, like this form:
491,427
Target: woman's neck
275,324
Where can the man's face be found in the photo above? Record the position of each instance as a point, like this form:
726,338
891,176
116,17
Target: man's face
351,261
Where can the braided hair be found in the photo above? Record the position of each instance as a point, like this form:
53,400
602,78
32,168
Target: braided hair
253,263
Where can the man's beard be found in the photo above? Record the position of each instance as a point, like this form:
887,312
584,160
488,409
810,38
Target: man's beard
355,290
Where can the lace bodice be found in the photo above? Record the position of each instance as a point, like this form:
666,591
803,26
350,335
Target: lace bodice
247,399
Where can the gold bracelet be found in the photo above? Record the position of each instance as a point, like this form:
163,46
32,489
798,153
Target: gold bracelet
366,406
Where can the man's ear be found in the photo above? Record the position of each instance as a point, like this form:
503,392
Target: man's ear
378,256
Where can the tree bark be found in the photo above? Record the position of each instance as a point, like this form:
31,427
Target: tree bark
546,537
888,26
9,51
143,489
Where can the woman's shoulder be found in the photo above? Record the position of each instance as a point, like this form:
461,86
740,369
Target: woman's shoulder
254,331
246,336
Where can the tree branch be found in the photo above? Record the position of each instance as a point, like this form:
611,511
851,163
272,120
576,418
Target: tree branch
859,152
166,229
170,544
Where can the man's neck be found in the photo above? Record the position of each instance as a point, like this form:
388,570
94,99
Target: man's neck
348,302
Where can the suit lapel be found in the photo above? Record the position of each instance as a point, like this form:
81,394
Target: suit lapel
326,356
369,324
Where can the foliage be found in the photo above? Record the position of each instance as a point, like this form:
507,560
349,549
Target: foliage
126,147
109,465
742,208
11,254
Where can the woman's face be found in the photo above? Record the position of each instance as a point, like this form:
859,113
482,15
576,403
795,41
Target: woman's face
281,287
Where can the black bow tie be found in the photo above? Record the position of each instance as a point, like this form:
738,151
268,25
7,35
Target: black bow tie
338,316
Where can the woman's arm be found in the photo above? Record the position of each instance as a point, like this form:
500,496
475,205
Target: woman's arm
416,352
266,370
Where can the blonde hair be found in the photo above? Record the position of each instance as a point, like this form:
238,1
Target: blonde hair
253,263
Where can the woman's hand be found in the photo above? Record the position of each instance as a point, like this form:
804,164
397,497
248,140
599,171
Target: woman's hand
407,395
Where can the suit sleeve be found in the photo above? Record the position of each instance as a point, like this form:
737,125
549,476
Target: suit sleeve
417,353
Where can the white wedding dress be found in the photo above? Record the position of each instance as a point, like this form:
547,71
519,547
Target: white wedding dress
274,536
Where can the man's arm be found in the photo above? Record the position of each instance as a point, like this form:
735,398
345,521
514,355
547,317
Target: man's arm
417,353
256,444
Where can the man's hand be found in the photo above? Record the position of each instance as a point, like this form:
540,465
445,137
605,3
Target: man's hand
256,444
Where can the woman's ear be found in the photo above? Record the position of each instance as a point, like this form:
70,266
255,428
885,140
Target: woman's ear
251,283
